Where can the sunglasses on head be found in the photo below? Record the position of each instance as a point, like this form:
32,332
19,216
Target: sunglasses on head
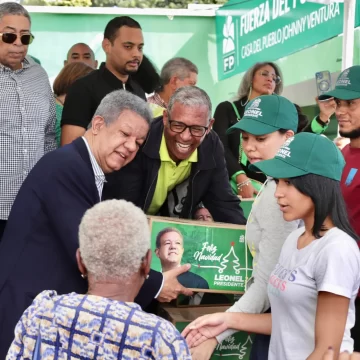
10,38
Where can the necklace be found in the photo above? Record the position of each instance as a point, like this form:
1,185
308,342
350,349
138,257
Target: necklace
245,103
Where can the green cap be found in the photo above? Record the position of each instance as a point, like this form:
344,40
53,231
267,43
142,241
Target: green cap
302,154
347,85
267,114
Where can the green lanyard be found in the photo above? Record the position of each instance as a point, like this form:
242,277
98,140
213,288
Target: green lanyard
242,156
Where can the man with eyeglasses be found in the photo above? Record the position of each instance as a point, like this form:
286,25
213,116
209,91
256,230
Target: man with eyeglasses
180,165
27,107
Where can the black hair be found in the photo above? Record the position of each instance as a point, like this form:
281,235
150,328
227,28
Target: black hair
116,23
328,201
147,76
303,119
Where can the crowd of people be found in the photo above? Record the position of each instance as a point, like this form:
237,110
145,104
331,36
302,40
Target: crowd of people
82,165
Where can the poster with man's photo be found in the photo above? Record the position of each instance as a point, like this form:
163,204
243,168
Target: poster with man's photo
219,257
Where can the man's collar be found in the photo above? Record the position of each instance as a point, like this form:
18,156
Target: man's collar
25,64
113,80
98,172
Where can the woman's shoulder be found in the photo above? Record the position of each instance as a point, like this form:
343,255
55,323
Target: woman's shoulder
336,236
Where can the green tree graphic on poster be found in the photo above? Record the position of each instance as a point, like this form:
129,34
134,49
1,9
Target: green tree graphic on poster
217,252
234,260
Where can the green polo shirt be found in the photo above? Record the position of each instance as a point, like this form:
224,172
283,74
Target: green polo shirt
169,176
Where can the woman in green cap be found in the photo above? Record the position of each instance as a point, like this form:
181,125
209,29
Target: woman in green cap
312,288
267,123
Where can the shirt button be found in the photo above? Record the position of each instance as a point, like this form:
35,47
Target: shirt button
25,172
18,88
25,151
24,129
22,108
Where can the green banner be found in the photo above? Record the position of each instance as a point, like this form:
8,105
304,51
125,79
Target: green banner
219,258
251,31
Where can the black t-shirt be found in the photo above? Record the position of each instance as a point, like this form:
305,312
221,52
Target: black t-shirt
85,95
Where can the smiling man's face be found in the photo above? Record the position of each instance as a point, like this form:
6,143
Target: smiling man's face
116,144
171,249
181,145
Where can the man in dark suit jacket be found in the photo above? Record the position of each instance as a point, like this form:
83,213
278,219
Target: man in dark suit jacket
41,238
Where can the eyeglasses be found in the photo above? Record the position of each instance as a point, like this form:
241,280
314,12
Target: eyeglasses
179,127
276,78
10,38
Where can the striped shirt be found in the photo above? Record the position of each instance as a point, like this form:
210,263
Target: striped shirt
156,99
98,173
27,130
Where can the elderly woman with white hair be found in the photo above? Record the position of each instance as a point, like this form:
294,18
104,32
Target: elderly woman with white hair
105,323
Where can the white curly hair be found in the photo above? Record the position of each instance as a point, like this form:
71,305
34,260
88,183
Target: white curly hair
114,237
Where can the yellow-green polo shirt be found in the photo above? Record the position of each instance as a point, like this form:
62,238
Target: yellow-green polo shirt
169,176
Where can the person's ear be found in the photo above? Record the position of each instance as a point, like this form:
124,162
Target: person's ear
96,64
165,118
80,264
145,264
97,123
65,62
289,134
173,83
106,45
157,253
211,123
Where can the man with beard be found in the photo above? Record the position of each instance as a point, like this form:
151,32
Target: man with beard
123,44
347,98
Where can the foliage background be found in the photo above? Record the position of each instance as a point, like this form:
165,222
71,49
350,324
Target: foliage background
172,4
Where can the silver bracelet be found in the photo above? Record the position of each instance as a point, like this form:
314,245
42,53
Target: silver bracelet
242,184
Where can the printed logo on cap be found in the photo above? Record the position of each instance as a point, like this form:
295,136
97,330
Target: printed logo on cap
285,151
253,110
344,78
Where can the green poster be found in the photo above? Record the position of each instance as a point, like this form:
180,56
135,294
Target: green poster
234,347
266,30
220,260
237,346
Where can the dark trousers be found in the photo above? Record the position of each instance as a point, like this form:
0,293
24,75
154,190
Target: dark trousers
355,332
260,346
2,228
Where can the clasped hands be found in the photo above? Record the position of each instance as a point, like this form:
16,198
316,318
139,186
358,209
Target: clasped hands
201,335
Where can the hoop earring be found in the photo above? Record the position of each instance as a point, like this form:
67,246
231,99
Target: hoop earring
84,276
147,276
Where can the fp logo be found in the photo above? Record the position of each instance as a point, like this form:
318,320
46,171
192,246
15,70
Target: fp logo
229,45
